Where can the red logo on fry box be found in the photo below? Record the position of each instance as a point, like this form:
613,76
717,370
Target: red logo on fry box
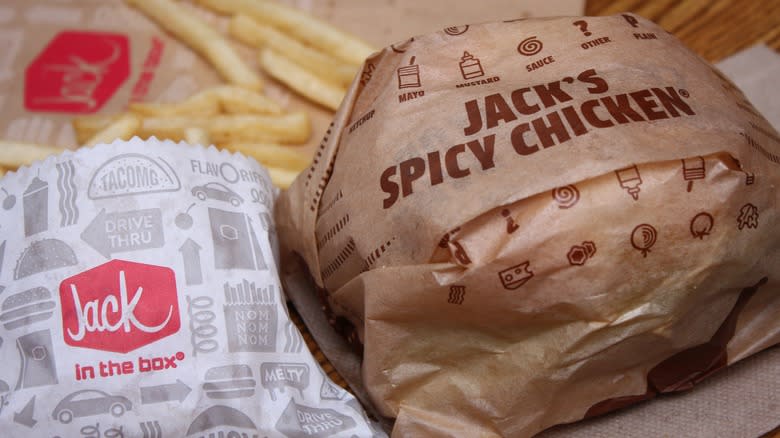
77,72
119,306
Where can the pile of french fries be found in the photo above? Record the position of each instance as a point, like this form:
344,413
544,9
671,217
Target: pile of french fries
312,58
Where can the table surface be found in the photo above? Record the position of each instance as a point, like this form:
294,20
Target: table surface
713,29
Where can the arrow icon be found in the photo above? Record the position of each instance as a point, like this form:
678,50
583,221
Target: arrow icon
94,235
190,252
162,393
26,416
124,231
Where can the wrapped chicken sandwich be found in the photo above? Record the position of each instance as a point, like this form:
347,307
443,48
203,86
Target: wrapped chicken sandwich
526,224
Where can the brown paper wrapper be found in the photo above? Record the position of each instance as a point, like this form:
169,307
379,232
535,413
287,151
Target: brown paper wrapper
533,222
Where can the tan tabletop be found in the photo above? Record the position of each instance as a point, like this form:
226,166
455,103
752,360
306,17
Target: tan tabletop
713,29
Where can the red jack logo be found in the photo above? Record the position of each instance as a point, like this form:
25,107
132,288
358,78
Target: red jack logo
119,306
77,72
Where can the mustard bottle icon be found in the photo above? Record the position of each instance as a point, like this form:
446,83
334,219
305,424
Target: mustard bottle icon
630,180
470,67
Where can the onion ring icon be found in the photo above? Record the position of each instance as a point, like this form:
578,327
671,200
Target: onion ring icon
456,30
566,196
643,238
529,46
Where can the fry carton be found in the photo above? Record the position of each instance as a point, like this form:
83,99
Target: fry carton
140,297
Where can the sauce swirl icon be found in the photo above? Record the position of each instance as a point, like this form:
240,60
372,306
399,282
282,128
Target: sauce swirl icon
566,196
529,46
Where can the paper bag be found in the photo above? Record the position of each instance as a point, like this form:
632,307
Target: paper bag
532,222
139,296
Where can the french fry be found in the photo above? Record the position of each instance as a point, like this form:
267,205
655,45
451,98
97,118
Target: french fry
171,128
301,80
14,154
212,101
299,24
272,155
281,178
247,30
189,28
195,135
236,100
87,126
288,128
123,128
201,104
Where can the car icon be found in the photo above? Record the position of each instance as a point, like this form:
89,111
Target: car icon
217,191
90,402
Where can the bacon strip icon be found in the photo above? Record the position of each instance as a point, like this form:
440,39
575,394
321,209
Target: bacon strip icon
66,186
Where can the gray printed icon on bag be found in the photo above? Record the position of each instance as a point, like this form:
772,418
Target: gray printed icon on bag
163,393
38,367
89,402
293,341
26,416
66,186
235,242
300,421
184,220
44,255
250,317
190,253
9,200
331,391
229,381
219,421
94,431
202,328
132,174
35,203
278,376
218,192
134,230
151,429
26,307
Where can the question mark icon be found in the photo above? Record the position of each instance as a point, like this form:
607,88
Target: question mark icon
583,25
